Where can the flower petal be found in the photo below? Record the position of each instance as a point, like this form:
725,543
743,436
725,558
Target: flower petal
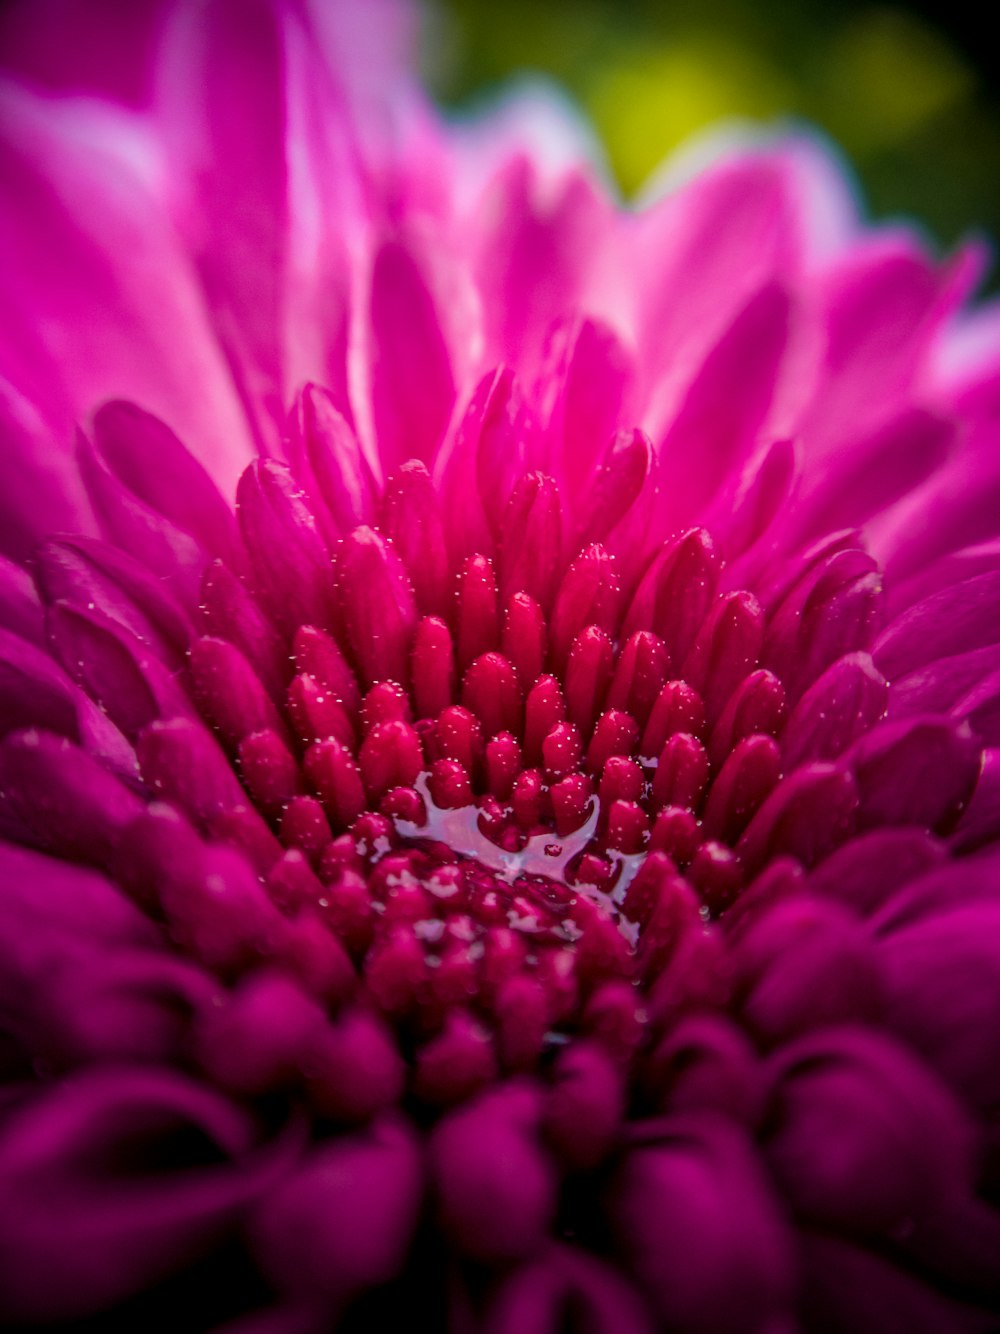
115,1179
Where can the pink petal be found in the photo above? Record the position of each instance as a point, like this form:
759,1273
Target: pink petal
77,1233
342,1221
84,199
413,388
866,1139
717,421
700,1228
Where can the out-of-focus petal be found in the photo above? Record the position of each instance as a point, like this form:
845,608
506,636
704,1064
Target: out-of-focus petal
115,1179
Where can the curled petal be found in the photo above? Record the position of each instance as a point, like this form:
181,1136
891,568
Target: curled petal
700,1228
495,1186
56,798
178,487
941,976
377,606
919,771
342,1220
290,562
865,1139
115,1179
805,964
560,1283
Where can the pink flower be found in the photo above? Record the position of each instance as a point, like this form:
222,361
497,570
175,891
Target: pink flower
513,839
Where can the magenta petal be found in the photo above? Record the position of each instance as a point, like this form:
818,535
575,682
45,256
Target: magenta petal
882,305
536,1297
725,651
703,251
865,872
504,444
55,896
590,382
227,611
56,798
20,609
71,1006
325,455
217,910
830,611
542,251
806,816
956,568
34,692
958,505
952,885
981,707
707,1064
412,520
256,1040
676,591
978,823
495,1186
413,388
589,594
87,574
181,761
148,457
700,1228
377,608
954,620
87,62
943,994
40,491
939,684
866,1139
83,200
530,546
342,1220
128,522
757,705
90,1216
125,680
229,693
221,73
745,510
718,420
584,1108
616,484
918,771
861,479
464,492
805,964
290,562
843,704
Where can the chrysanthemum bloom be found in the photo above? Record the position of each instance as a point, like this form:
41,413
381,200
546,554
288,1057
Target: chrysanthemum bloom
511,842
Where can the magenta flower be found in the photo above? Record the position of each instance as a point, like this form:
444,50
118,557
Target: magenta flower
513,839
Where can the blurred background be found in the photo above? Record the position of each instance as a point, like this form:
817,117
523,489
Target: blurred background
908,91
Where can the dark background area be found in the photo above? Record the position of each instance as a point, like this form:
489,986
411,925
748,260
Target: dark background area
908,92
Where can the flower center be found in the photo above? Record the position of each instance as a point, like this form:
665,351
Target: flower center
509,802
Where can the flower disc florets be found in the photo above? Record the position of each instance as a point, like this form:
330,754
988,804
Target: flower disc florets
510,787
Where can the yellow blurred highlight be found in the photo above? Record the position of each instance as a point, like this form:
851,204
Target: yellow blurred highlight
919,122
885,76
650,99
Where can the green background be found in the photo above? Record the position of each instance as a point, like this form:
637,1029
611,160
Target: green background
908,95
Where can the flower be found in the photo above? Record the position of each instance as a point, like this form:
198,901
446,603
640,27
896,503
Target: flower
535,855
